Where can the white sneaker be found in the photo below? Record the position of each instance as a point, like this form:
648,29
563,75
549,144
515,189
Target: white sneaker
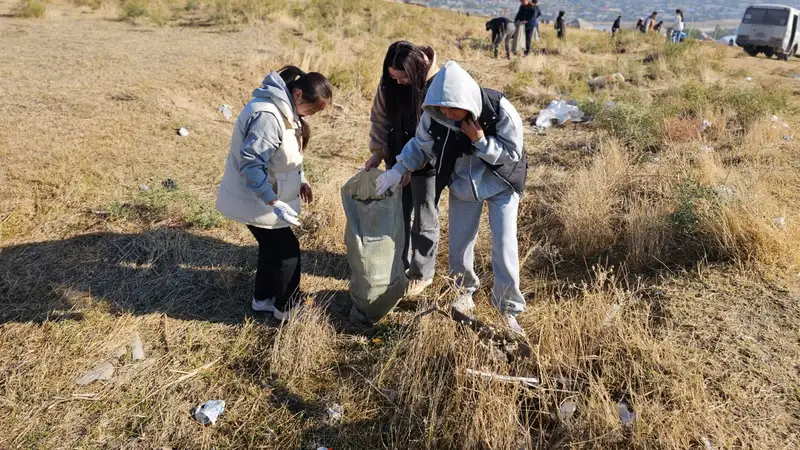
416,287
514,326
267,305
281,315
464,304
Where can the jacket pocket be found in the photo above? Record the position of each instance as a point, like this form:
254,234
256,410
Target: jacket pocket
288,185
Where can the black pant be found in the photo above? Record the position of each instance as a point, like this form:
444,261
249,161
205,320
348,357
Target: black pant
278,273
528,38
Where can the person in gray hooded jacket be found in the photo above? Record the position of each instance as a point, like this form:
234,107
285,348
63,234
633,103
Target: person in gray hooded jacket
473,138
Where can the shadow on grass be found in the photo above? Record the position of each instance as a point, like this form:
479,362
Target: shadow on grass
169,271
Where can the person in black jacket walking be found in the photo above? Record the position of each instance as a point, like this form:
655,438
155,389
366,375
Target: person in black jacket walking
617,25
528,14
561,26
502,31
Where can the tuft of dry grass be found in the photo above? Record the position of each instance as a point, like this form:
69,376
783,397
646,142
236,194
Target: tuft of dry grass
587,207
647,230
304,347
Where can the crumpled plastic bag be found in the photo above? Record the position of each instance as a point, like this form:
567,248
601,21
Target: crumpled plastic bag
558,113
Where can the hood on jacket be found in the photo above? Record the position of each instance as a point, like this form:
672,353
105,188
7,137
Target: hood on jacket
453,87
431,54
274,88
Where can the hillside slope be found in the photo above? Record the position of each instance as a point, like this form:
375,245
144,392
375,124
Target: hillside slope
655,271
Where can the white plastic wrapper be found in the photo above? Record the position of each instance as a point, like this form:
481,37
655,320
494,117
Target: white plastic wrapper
209,412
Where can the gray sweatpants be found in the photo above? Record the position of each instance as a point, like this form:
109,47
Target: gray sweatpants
506,36
465,219
422,233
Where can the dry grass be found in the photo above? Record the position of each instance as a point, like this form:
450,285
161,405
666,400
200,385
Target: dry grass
31,8
690,315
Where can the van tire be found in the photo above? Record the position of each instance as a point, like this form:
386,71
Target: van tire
769,53
751,51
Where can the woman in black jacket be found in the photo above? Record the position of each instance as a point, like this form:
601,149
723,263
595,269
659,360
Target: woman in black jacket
407,72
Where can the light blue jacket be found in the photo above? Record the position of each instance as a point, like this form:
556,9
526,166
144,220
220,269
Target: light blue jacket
471,181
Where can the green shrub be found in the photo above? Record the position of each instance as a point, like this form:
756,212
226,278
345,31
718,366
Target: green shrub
517,87
32,8
93,4
686,217
636,126
750,104
133,9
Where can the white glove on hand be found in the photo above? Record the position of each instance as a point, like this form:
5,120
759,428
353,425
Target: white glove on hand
388,180
286,213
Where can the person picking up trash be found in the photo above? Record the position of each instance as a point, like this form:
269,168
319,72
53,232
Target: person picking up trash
264,182
473,137
502,32
407,72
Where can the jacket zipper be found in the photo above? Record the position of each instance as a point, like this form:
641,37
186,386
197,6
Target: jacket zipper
441,157
472,185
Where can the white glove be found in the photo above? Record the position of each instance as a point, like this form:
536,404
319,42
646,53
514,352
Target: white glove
286,213
388,180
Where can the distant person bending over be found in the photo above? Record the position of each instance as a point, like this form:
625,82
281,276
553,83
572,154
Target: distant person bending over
657,28
502,31
407,72
527,16
561,26
264,182
473,137
677,28
616,26
640,25
650,23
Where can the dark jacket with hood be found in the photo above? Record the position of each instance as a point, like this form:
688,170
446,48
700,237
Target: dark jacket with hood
530,14
497,25
392,127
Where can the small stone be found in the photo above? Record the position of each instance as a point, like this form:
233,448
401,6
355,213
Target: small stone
183,132
779,222
137,350
144,188
567,410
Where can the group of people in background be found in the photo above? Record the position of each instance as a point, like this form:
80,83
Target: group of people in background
652,25
528,18
506,32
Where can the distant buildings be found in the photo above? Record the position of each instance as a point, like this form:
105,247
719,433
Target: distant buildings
601,11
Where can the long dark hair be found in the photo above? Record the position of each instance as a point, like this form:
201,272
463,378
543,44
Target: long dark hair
416,62
680,13
316,90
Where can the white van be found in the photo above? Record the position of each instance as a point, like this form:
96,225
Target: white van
769,29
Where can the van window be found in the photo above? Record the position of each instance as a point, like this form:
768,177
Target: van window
764,16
